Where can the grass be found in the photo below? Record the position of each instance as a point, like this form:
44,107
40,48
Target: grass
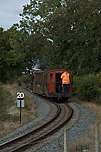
6,101
9,113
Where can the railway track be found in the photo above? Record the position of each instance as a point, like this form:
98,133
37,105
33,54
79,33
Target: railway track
63,115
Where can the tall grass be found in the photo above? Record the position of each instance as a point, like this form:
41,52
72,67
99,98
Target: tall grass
6,101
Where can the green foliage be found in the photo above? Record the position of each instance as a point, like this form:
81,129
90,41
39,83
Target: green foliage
73,28
87,87
12,54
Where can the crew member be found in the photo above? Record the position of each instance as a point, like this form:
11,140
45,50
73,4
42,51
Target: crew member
65,83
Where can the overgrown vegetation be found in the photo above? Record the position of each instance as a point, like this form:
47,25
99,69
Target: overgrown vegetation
5,102
8,109
88,87
9,113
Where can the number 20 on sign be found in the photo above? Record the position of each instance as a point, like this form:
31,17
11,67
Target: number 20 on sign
20,95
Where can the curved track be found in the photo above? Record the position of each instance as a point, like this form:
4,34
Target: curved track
63,115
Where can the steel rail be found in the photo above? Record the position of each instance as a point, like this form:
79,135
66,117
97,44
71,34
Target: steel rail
63,115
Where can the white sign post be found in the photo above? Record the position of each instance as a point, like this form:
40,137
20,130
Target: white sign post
20,102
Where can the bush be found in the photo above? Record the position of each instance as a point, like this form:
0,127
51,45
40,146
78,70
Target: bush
87,87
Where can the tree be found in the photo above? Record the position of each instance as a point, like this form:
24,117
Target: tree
12,54
73,28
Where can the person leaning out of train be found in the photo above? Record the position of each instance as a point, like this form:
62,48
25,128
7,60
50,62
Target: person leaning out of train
65,76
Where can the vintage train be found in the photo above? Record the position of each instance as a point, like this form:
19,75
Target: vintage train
48,83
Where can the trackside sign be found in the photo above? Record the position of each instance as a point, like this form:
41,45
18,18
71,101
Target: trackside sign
20,100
